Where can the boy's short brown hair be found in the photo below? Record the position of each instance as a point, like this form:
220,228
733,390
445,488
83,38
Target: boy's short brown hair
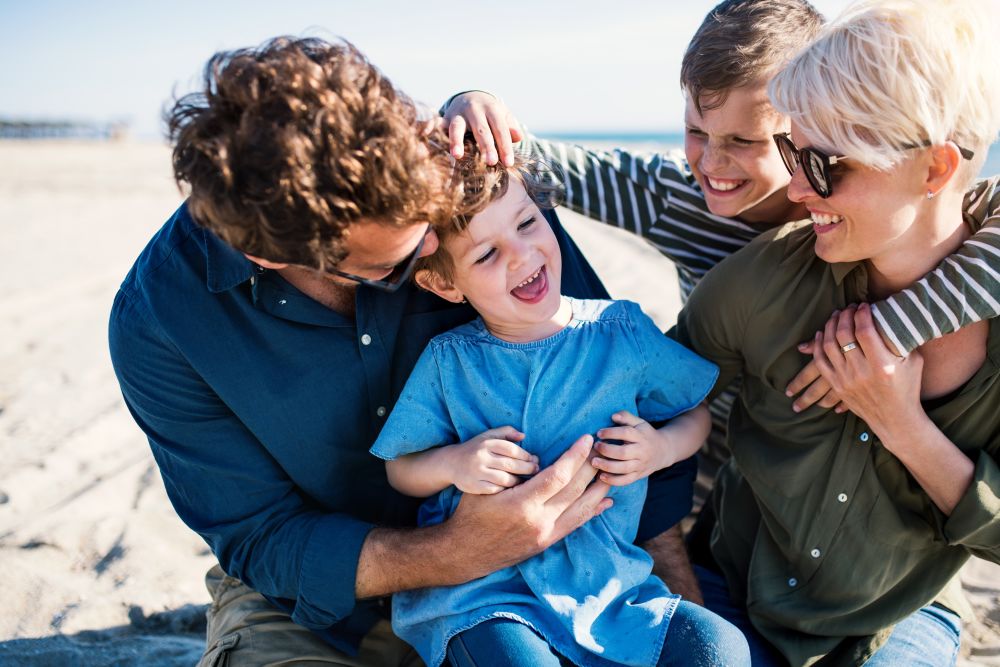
741,41
481,185
291,142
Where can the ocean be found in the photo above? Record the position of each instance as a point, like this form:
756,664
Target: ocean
669,140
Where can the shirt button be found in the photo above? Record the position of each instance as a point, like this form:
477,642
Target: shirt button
381,411
842,497
815,553
282,302
793,582
864,437
366,339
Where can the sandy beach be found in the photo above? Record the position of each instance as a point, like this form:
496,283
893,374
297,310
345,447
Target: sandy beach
97,569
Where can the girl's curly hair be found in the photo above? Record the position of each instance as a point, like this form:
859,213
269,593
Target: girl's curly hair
481,185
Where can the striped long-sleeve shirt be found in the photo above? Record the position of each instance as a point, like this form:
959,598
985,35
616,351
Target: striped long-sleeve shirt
655,196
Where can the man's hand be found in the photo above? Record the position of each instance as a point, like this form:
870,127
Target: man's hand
486,532
490,462
492,124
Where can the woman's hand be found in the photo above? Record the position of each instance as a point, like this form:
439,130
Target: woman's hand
814,387
873,383
495,128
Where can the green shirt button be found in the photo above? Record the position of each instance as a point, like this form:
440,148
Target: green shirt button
864,437
842,497
815,553
793,582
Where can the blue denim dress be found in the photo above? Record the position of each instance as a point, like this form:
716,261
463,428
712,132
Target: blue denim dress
592,595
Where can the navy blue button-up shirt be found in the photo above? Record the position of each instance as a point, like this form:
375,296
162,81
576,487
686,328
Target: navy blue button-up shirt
260,405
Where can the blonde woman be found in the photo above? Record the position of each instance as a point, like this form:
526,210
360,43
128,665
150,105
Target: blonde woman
839,535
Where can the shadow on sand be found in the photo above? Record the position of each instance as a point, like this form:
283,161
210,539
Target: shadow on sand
172,638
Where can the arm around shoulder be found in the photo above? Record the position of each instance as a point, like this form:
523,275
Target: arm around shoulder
963,289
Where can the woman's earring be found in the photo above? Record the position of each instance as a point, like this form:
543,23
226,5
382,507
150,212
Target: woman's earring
931,195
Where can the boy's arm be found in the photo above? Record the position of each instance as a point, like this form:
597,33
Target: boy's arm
963,289
652,196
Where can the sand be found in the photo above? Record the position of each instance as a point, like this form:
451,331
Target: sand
96,568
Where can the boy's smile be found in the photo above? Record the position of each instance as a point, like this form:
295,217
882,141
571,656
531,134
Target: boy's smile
733,157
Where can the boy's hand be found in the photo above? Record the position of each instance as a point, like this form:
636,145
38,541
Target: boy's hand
644,450
491,462
486,117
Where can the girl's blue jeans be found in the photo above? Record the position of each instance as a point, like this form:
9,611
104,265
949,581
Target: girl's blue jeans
696,637
927,638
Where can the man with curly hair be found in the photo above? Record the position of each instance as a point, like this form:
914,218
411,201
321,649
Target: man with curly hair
266,331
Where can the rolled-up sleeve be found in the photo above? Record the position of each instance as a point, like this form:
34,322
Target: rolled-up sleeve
975,521
225,485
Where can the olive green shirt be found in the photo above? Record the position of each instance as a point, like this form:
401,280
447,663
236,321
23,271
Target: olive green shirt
823,533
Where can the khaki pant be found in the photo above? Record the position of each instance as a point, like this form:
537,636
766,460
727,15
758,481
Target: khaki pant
244,629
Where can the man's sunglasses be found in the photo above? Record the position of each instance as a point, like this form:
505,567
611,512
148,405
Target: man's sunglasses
816,164
399,274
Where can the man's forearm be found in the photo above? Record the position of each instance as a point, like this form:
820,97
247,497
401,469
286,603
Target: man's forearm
394,559
486,532
671,564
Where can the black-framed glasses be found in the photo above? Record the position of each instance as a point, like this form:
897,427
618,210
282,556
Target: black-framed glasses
399,274
817,164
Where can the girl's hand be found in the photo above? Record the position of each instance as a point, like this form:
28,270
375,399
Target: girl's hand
872,382
490,462
643,450
489,120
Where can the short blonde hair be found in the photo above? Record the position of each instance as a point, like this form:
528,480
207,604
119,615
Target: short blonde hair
889,75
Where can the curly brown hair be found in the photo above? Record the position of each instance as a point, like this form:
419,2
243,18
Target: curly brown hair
481,185
741,41
291,142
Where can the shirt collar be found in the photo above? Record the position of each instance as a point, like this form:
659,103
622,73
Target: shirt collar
226,266
841,269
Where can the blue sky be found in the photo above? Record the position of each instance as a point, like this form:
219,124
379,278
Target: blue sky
586,65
